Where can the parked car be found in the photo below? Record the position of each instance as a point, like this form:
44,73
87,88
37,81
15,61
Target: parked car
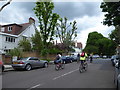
2,66
29,63
114,60
96,56
104,56
74,58
67,59
117,75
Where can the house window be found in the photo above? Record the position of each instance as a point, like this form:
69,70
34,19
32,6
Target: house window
6,38
14,39
2,29
10,28
10,39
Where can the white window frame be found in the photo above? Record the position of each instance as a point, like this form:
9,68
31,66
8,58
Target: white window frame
10,28
2,29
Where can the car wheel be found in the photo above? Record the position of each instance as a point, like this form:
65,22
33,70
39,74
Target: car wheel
28,67
118,87
45,65
64,62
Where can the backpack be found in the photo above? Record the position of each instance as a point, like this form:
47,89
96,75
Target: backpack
83,54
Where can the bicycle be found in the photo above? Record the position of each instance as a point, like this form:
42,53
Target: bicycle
78,60
83,67
59,66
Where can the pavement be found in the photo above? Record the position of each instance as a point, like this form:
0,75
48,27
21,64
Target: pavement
8,67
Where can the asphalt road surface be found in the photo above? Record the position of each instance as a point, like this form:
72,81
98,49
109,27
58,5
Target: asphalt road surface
100,74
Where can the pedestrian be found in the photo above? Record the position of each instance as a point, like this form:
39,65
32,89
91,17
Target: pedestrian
118,51
91,58
78,57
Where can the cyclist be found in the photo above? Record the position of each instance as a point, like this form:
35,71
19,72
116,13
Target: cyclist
83,57
58,59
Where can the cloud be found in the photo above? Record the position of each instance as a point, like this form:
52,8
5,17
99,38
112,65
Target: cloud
17,12
77,9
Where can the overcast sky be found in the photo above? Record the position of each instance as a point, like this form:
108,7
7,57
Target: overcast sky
87,14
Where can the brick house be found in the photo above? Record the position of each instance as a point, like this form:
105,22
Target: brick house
11,34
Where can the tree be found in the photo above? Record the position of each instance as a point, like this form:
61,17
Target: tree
37,41
5,5
112,10
47,20
93,37
16,52
91,49
25,44
106,46
115,35
98,44
66,33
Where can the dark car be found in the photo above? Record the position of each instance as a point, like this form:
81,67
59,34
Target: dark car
1,66
117,75
28,63
66,59
74,58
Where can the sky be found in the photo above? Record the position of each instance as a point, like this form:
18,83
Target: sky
88,15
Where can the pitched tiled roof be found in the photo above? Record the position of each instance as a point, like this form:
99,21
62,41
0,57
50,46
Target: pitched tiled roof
24,26
16,31
16,28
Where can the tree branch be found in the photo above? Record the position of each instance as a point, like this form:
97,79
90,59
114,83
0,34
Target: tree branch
5,5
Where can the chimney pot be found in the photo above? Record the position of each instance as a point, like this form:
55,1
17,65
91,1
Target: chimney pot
31,20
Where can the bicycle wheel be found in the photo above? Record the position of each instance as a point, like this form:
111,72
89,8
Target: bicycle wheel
85,66
80,68
57,67
63,66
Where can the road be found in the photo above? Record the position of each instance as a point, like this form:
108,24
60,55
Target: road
100,74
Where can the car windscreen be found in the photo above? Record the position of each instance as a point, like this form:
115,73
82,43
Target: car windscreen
23,58
63,57
112,57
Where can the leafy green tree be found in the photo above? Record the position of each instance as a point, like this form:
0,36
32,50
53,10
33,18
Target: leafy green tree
91,49
47,20
98,44
115,35
112,10
37,41
25,44
93,37
16,52
106,46
66,33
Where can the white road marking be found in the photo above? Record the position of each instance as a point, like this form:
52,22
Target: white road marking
65,74
35,86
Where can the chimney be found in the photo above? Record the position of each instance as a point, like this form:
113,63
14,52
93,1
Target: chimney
31,20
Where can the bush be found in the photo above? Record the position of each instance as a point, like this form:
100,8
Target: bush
54,51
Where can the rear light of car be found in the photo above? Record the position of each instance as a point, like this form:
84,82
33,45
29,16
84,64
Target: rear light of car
20,62
1,63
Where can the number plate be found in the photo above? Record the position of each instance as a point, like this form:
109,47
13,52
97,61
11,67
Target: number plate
15,63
